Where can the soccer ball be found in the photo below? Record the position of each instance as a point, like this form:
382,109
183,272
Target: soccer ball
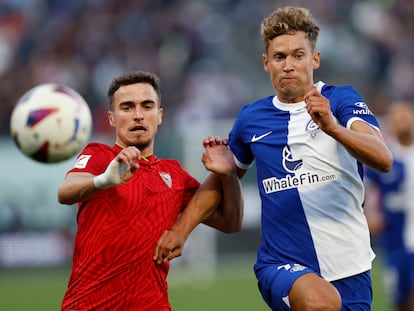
51,123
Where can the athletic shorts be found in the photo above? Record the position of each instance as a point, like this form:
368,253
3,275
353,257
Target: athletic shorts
275,282
399,276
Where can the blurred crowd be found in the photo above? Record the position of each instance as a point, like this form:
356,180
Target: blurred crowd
207,53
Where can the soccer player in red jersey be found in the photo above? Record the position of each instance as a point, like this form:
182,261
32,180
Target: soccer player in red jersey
127,198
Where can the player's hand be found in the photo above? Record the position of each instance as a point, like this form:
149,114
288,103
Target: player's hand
319,109
169,246
120,169
217,156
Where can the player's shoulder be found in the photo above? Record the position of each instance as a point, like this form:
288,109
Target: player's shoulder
258,104
95,144
343,96
99,150
169,162
330,90
97,147
94,153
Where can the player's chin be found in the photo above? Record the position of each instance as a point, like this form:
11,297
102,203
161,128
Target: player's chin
138,136
140,141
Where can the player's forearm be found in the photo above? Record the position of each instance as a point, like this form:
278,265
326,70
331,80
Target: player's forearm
228,216
365,144
218,203
201,206
77,189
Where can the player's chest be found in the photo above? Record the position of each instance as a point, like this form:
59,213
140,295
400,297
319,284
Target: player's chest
278,130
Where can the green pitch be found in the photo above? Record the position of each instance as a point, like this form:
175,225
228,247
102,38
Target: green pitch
232,288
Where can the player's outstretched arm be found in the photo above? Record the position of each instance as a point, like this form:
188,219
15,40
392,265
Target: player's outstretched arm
80,186
218,158
218,202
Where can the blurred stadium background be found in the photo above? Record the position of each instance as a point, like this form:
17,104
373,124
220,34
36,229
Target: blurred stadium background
208,55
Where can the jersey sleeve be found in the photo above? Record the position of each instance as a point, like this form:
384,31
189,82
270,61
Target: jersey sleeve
94,159
237,142
348,106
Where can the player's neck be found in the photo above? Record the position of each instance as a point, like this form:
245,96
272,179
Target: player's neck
146,157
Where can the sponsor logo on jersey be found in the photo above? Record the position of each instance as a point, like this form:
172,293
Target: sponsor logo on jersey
299,176
256,138
361,105
82,161
364,110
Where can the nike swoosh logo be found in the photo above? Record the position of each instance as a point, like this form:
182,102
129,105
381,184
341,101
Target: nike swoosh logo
256,138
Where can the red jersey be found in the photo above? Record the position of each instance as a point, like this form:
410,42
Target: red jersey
118,228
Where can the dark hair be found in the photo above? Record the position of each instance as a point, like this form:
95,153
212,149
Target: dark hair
132,78
288,20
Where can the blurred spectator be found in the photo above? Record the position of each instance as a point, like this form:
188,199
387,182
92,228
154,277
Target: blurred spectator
389,207
84,42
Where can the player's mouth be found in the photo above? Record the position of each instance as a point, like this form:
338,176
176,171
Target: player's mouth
288,79
138,128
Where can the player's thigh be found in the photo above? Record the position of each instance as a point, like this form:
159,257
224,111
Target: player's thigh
311,292
295,287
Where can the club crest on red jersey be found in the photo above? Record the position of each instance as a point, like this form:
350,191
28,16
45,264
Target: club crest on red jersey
166,177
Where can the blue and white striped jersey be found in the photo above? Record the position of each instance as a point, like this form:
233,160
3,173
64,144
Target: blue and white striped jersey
310,186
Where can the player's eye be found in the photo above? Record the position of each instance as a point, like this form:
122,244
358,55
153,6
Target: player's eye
279,57
148,105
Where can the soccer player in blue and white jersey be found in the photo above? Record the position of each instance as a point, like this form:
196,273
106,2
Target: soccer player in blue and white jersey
389,207
309,142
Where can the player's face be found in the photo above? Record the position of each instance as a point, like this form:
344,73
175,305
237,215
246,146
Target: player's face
401,120
136,115
290,62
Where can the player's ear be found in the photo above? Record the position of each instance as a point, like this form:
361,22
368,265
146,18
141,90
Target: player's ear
316,60
160,114
265,59
111,118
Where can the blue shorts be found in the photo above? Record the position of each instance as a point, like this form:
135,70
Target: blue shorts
399,275
275,282
356,292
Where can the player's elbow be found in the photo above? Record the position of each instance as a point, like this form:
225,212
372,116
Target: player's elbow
382,161
385,163
64,198
233,224
232,229
225,224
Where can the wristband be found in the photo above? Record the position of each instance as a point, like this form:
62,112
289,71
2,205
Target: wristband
111,176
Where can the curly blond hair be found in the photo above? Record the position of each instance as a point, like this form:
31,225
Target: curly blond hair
289,20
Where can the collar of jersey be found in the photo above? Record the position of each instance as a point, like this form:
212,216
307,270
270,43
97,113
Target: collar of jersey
288,107
151,158
295,106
